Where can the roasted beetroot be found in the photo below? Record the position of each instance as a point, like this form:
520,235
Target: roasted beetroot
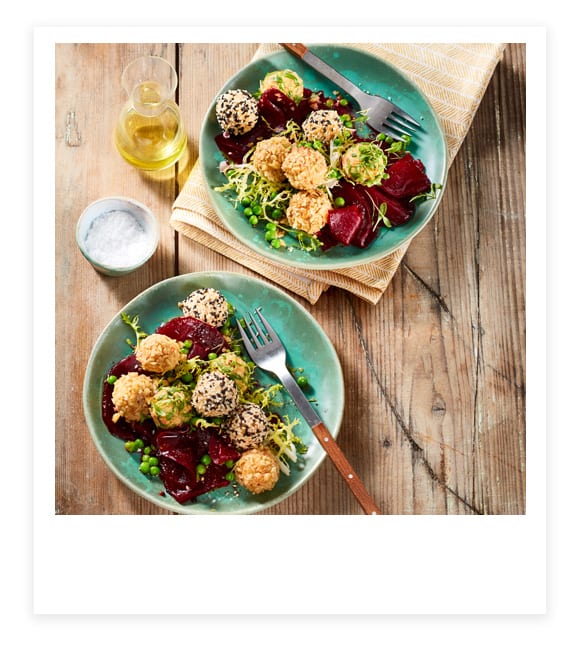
204,337
276,108
344,223
406,178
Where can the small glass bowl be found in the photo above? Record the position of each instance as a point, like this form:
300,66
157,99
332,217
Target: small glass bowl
127,253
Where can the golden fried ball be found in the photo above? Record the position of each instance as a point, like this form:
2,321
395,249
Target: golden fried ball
158,353
305,167
308,211
132,393
257,470
269,156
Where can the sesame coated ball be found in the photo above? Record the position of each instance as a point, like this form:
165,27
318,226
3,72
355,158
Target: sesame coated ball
237,111
157,353
322,125
305,167
308,211
269,156
206,304
131,396
215,395
257,470
247,427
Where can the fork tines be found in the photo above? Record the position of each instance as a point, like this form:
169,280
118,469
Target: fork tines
251,331
398,124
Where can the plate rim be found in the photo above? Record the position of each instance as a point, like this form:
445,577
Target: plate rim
347,262
189,509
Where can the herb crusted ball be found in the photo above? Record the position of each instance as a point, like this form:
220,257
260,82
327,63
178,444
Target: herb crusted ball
237,112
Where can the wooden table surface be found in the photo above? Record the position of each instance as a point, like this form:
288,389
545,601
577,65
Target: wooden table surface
434,373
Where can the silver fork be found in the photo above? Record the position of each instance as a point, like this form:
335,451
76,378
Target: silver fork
383,116
267,351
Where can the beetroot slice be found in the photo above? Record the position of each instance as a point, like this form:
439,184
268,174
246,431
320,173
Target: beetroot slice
344,223
406,178
276,108
179,453
204,337
220,452
398,211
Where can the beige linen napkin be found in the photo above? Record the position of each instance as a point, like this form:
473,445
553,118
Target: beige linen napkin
453,77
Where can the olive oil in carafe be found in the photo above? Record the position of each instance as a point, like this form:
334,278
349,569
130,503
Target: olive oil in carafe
149,133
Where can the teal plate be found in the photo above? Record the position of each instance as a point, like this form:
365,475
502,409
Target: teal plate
372,75
307,345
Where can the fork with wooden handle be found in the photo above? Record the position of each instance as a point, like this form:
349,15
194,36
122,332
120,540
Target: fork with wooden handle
267,351
382,115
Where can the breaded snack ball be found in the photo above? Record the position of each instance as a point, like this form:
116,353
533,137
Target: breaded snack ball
132,393
247,427
322,125
269,156
304,167
308,211
257,470
158,353
215,395
206,304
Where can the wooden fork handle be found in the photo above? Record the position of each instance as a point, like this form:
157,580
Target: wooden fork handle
343,466
299,50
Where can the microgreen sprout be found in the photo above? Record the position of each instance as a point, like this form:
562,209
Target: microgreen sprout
134,324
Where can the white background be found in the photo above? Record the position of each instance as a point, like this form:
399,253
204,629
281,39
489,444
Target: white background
503,586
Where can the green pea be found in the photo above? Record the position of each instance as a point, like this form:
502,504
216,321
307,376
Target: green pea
229,463
201,469
112,379
277,213
246,202
144,467
276,243
145,458
130,446
139,443
147,450
187,378
206,459
329,103
253,220
230,476
270,235
302,381
154,471
187,343
381,136
270,226
339,201
257,209
212,355
153,461
345,117
248,211
343,102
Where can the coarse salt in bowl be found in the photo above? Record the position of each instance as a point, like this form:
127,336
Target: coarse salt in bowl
117,235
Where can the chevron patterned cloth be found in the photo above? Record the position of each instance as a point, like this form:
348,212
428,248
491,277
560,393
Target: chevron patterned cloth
453,77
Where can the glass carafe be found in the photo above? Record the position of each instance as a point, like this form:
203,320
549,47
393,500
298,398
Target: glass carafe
150,133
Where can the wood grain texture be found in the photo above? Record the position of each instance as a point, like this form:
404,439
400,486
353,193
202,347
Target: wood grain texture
435,372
